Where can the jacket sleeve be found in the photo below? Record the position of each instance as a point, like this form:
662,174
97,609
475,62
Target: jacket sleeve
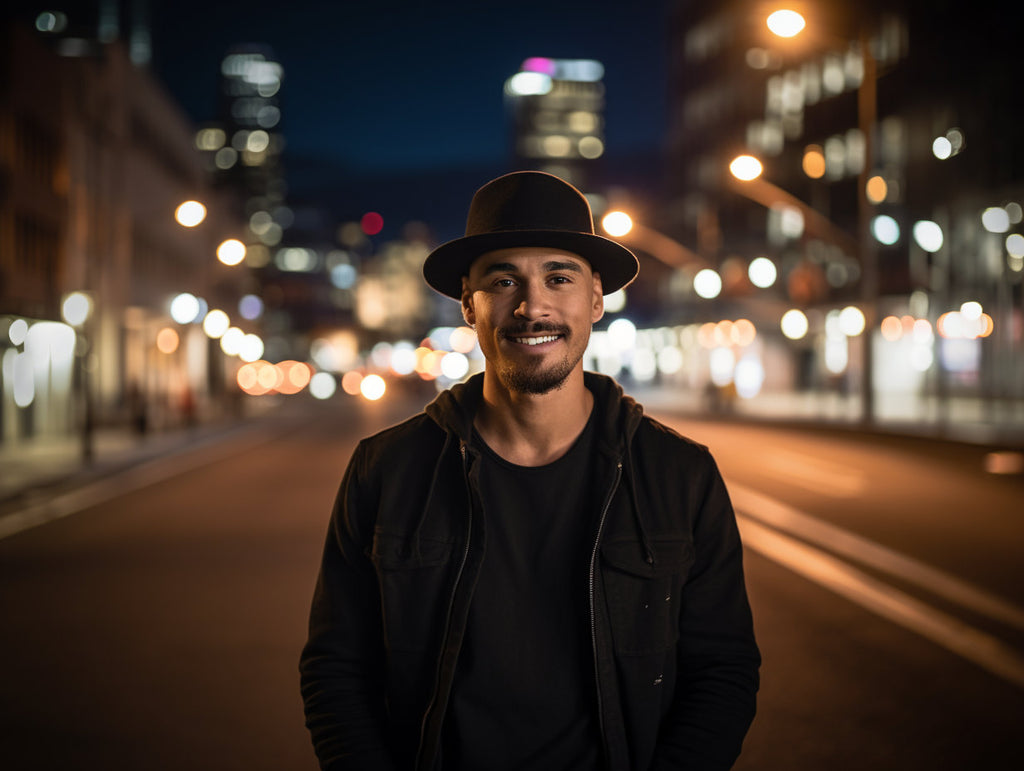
342,663
718,658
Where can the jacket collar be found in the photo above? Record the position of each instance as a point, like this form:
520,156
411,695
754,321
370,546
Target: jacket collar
455,408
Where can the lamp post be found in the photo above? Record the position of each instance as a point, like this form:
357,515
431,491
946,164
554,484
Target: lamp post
789,24
76,309
653,242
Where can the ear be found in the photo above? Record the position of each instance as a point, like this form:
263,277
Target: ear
597,310
468,313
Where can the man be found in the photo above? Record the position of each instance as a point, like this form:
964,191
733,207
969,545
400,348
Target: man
531,574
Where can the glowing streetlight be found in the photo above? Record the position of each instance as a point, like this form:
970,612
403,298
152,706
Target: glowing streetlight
745,168
190,213
231,251
786,23
617,223
76,308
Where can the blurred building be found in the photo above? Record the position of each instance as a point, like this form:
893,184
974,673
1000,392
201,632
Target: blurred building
95,158
892,182
557,109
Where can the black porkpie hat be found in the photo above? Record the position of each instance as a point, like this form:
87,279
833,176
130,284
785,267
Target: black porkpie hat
528,208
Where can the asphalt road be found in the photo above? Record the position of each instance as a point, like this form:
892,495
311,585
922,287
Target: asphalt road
159,627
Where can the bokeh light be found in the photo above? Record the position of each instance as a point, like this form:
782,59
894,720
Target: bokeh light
885,229
323,385
190,213
216,323
707,284
167,340
76,308
231,251
617,223
786,23
746,167
371,223
762,272
794,324
185,308
373,387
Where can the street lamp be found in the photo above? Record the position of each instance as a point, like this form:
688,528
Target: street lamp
784,23
747,180
76,309
190,213
660,246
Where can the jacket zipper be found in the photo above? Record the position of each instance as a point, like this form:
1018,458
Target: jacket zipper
593,594
451,600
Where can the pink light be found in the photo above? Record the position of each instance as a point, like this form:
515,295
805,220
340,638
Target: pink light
539,64
372,223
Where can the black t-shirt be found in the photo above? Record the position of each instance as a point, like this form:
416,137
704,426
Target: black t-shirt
524,692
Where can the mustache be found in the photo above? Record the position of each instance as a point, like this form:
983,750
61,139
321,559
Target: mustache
535,328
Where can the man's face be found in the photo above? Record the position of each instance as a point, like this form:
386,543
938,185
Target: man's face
533,308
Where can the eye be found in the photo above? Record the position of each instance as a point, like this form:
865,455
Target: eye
504,282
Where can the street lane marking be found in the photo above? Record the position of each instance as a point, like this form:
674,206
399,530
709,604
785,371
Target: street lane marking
129,480
816,474
976,646
866,552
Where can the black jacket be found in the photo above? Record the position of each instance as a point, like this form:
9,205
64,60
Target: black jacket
674,653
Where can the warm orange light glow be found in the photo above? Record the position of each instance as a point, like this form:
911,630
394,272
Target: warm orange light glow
743,332
167,340
294,376
786,23
745,168
892,328
877,189
723,333
706,335
814,161
617,223
351,381
463,339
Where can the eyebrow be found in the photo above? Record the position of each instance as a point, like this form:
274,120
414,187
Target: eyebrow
553,265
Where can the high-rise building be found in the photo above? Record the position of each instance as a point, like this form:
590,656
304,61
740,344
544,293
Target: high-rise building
557,108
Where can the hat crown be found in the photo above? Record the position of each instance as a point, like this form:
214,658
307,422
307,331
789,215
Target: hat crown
528,200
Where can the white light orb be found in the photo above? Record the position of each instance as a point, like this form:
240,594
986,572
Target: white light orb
851,321
216,323
76,308
707,284
372,387
794,324
185,308
231,341
323,385
928,235
762,272
885,229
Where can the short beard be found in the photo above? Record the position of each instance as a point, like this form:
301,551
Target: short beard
536,381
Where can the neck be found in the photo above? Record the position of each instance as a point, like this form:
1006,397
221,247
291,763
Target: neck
533,429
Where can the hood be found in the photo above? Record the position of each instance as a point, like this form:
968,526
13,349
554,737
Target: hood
454,409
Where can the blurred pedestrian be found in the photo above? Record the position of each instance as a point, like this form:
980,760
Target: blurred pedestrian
530,574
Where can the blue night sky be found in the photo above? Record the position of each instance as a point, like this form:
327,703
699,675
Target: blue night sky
389,85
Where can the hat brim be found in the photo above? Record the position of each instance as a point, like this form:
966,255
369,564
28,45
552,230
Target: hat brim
448,263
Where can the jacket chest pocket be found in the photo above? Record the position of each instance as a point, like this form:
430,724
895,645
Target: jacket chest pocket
413,577
644,599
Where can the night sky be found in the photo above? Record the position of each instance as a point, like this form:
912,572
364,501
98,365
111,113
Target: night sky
385,104
397,105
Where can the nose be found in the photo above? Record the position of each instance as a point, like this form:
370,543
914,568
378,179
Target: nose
532,302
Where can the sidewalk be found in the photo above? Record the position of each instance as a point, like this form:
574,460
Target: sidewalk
35,469
966,420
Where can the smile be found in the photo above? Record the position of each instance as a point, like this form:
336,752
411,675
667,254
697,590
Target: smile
536,340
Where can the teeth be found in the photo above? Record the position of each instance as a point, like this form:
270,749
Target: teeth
536,340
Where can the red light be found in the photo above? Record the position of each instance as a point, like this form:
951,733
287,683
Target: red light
372,223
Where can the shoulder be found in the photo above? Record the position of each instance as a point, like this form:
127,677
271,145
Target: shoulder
415,439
